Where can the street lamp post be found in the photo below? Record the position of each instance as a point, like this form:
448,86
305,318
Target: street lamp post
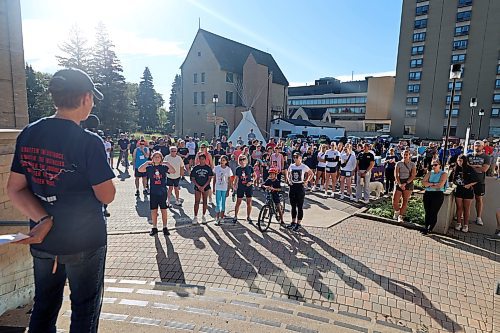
215,99
472,104
481,114
455,73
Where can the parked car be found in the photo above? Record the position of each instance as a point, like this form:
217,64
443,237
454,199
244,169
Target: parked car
354,139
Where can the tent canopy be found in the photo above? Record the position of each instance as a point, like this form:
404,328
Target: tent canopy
246,123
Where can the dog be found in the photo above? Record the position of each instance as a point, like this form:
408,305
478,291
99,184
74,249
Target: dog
376,187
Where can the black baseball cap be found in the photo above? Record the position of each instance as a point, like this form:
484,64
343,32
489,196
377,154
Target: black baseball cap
73,80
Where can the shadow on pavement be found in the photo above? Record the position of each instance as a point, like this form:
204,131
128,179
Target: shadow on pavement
142,207
473,243
397,288
123,175
169,264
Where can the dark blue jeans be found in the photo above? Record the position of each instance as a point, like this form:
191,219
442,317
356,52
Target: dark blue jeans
85,274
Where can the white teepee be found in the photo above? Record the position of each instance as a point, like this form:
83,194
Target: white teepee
246,123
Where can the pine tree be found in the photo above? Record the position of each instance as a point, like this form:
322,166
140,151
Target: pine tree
76,52
173,105
39,100
148,103
114,110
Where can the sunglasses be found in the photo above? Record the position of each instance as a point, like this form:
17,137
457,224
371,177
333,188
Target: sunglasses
435,165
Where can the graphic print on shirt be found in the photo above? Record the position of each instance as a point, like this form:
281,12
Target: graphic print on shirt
157,177
296,175
44,166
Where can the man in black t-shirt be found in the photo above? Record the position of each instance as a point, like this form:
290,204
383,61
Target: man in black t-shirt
60,177
124,145
162,147
480,162
366,162
201,176
133,143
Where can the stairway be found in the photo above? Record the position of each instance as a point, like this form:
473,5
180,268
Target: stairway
141,306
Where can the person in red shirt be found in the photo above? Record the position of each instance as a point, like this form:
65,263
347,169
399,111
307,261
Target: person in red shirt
488,150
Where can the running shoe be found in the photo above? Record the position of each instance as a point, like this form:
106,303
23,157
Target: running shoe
235,219
203,219
145,192
249,220
342,197
291,225
479,221
218,222
296,227
166,232
178,203
106,213
458,226
195,220
137,193
465,228
396,215
400,219
153,232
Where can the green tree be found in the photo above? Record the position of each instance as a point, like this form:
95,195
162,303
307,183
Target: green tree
39,101
76,51
173,105
148,103
114,110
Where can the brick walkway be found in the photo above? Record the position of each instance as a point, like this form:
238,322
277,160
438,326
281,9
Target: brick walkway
430,284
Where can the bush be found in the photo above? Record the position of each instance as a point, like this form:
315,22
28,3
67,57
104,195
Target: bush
415,212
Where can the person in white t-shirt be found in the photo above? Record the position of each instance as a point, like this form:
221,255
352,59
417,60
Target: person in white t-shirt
347,168
107,148
320,169
332,157
298,176
173,178
191,146
221,184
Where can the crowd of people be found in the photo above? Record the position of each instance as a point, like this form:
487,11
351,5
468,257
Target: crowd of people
341,170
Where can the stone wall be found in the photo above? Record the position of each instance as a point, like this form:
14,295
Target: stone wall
16,272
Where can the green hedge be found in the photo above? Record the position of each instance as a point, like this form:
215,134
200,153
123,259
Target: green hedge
415,212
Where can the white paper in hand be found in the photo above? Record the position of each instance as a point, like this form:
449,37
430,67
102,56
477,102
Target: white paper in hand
6,239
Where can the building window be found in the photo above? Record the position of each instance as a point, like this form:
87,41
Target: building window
456,99
495,113
422,10
460,44
497,84
199,54
464,3
410,113
412,101
453,130
414,88
419,36
202,95
195,78
458,58
409,130
454,113
195,98
417,50
458,85
229,97
464,16
498,69
203,77
462,30
416,63
420,24
229,77
415,76
496,98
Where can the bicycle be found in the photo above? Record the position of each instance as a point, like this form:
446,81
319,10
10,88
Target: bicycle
269,210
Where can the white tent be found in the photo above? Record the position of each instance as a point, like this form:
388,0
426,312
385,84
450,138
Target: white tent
246,123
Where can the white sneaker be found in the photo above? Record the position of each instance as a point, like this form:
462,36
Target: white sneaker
342,197
479,221
195,220
458,226
365,201
352,198
396,215
333,195
400,219
465,228
203,220
321,187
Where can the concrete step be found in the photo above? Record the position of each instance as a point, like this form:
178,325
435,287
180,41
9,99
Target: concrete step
140,306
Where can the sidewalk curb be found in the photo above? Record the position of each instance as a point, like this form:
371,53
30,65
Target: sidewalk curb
407,225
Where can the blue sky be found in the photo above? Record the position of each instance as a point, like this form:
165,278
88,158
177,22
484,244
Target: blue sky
308,39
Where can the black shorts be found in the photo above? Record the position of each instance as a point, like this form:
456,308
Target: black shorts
346,173
408,187
173,182
244,191
321,169
331,169
158,200
139,174
463,193
186,161
206,189
479,189
191,157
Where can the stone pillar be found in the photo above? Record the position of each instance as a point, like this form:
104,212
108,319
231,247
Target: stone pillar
16,267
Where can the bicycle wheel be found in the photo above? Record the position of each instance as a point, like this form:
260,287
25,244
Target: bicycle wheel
265,216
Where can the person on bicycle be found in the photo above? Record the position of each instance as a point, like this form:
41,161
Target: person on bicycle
273,185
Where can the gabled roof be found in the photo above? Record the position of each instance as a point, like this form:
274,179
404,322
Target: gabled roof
232,55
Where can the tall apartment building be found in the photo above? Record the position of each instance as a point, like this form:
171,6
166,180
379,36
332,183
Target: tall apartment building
241,76
434,35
